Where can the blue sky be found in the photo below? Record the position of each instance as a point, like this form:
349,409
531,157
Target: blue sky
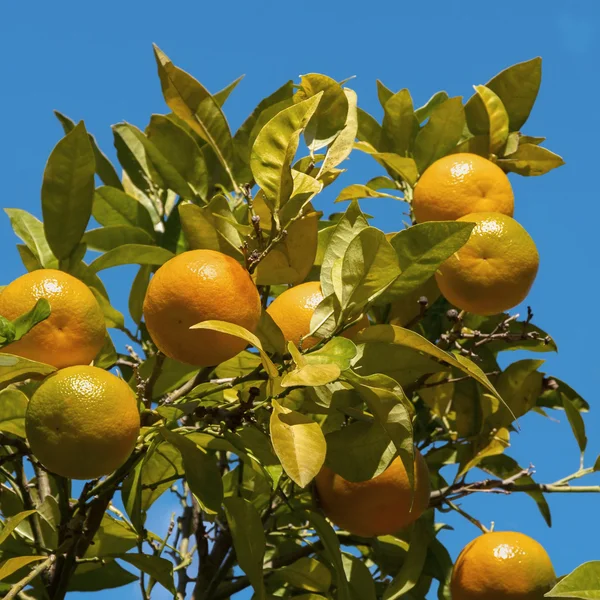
94,62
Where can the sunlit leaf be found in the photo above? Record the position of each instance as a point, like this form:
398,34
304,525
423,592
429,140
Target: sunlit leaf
497,116
299,443
16,368
400,125
131,254
158,568
10,566
31,231
531,160
583,582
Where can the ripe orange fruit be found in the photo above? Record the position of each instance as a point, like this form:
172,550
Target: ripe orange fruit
494,270
82,422
459,184
379,506
74,332
502,565
196,286
293,310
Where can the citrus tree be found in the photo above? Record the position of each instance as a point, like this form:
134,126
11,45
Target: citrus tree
316,392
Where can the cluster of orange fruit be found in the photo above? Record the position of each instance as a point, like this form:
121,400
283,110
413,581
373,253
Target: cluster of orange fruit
495,269
83,422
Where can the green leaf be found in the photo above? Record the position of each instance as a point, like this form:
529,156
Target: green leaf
497,116
68,191
517,87
339,351
411,570
392,410
112,317
441,133
244,334
275,148
192,103
243,140
359,451
362,586
357,191
201,472
298,442
138,293
421,249
400,125
249,540
583,582
131,254
158,568
311,375
503,467
94,577
31,231
12,523
383,93
113,207
104,168
369,130
113,537
12,565
346,229
211,227
222,95
16,368
369,267
26,322
481,449
306,574
181,150
109,238
411,339
13,405
403,167
152,160
576,422
330,116
425,111
519,385
341,147
332,552
531,160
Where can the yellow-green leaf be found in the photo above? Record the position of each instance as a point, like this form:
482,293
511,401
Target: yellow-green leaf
16,368
298,442
12,565
531,160
244,334
13,405
497,116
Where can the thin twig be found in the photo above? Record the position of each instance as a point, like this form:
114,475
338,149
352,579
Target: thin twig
40,568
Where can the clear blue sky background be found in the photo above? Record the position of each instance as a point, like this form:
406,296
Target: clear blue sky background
94,62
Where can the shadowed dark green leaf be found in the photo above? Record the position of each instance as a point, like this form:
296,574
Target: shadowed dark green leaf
411,570
158,568
181,150
94,577
114,207
503,467
13,405
248,540
332,552
362,586
531,160
441,133
359,451
138,292
421,249
201,471
68,191
104,168
108,238
306,573
576,422
131,254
